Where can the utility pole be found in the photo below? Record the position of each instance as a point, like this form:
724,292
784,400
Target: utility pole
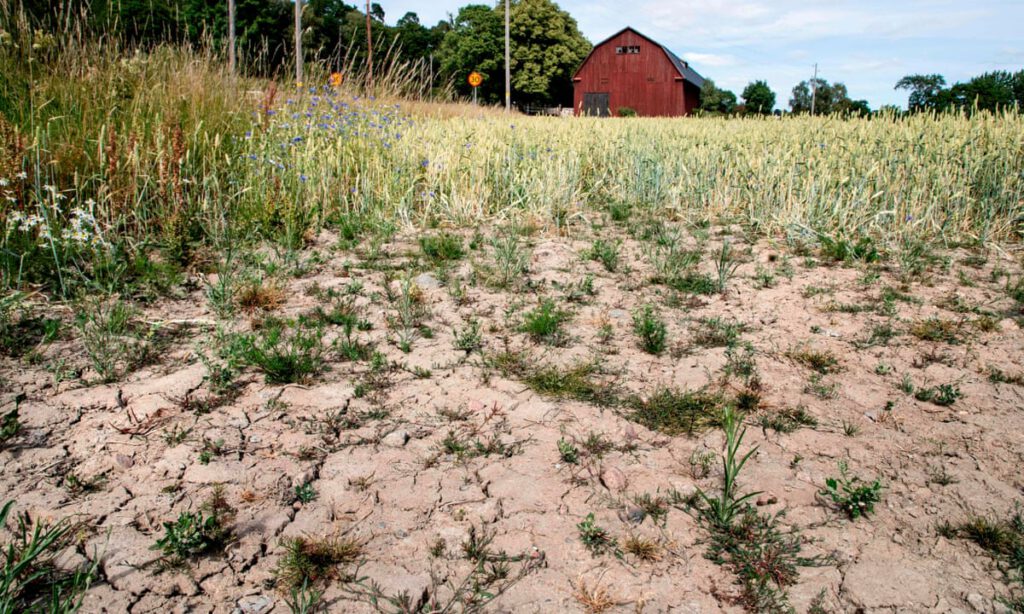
814,89
508,66
298,41
369,46
231,37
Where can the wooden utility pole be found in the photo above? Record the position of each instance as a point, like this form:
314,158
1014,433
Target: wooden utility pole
508,65
231,36
298,41
369,47
814,89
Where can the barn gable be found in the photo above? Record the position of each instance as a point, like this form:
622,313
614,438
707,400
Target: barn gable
630,70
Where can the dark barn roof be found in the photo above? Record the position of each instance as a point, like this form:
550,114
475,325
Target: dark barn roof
681,66
684,69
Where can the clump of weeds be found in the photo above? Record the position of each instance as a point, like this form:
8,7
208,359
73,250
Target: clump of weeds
852,495
763,555
544,324
31,580
286,351
605,252
650,330
673,412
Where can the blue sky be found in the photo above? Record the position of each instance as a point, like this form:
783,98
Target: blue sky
866,44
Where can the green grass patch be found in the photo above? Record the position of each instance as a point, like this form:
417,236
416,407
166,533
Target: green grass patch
673,412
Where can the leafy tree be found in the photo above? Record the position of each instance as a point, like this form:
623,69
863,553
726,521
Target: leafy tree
991,91
829,98
715,100
262,27
927,92
475,42
416,40
758,98
546,48
377,12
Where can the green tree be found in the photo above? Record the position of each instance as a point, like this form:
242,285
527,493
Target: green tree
828,98
927,92
546,48
715,100
758,98
991,91
475,42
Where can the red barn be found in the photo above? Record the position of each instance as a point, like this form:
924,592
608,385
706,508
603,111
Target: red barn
632,71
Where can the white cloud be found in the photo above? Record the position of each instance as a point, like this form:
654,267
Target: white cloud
709,59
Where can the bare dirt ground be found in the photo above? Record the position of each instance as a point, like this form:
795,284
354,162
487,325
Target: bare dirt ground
441,448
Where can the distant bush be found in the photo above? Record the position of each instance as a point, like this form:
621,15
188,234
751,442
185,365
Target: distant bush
626,112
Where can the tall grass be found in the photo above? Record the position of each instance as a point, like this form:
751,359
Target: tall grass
113,157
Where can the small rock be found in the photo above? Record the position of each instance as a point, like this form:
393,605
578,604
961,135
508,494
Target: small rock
979,603
618,314
427,281
124,461
255,604
613,479
769,318
635,515
396,439
767,499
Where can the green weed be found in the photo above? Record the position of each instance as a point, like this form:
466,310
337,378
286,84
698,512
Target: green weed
674,413
544,324
650,329
851,495
30,578
285,351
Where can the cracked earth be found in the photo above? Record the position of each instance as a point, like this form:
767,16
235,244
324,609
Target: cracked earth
382,451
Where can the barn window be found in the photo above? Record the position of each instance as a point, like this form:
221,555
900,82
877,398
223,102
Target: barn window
620,50
627,50
634,49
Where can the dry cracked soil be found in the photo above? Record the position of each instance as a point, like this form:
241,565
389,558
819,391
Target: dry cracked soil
460,471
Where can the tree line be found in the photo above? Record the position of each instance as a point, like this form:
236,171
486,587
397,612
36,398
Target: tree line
547,45
991,91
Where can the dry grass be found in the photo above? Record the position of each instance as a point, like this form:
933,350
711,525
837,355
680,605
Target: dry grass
594,598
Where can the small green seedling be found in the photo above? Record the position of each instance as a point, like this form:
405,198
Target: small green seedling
853,496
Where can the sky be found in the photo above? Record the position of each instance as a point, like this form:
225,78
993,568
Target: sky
866,44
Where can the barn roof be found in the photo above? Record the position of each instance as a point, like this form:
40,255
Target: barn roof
680,65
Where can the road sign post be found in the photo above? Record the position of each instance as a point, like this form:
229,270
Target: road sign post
475,79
